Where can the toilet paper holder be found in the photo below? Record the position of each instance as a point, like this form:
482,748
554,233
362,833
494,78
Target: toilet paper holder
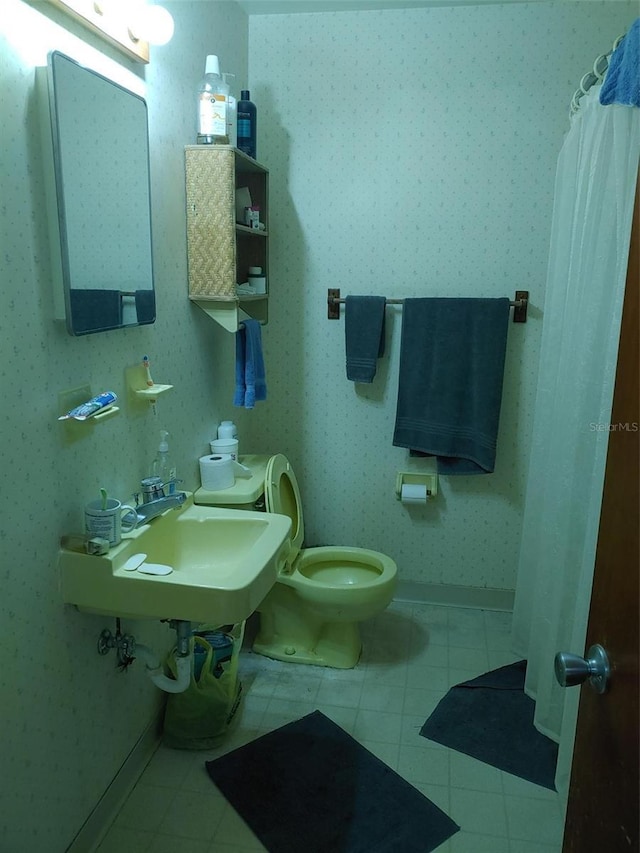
416,478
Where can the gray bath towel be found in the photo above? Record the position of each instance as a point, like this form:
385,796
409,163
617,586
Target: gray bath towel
364,335
450,387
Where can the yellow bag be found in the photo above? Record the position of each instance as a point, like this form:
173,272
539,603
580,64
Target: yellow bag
201,716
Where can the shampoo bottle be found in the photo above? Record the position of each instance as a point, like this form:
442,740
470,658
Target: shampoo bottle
247,124
213,95
163,466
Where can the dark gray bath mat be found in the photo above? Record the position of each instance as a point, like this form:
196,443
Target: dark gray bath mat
491,718
309,787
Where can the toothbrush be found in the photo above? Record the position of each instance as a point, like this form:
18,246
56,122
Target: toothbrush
103,495
146,365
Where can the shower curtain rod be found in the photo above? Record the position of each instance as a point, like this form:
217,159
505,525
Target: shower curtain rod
596,75
519,304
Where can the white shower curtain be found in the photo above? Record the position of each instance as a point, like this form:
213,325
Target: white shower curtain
593,207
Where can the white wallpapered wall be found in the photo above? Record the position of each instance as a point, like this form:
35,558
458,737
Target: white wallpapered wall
451,196
412,153
69,717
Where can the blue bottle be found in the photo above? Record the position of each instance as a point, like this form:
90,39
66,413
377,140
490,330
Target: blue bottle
247,121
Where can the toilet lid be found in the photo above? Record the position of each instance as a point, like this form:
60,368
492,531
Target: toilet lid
282,495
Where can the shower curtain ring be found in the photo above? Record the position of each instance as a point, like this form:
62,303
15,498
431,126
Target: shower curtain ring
584,85
600,74
575,101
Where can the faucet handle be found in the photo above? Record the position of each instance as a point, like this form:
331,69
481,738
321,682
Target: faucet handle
152,488
170,487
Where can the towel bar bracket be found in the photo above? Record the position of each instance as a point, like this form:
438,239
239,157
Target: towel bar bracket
519,304
520,307
333,303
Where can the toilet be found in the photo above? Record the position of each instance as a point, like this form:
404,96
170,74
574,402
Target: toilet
312,613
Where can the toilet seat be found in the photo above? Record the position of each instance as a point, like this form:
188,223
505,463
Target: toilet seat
282,496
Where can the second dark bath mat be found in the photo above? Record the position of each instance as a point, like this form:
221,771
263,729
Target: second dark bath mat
491,718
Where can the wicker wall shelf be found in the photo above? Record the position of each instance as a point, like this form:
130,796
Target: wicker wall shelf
221,249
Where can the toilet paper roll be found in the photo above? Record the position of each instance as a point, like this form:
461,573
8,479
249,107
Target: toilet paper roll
413,493
217,472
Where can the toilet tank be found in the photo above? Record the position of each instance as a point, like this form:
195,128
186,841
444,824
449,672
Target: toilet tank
245,493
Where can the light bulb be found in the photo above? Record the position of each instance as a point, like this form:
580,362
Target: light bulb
150,23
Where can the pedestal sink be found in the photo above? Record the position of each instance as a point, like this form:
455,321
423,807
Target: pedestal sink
224,562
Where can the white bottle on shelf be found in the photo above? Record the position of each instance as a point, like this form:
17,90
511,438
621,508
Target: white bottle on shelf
257,280
227,429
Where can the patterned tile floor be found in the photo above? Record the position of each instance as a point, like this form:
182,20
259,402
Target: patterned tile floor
412,655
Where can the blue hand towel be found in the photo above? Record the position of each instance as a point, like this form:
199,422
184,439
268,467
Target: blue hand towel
251,386
622,83
241,388
364,335
450,386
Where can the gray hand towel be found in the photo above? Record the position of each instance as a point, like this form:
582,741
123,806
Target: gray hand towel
146,306
450,385
95,310
364,335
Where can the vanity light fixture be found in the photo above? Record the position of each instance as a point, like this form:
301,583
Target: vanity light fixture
152,24
130,25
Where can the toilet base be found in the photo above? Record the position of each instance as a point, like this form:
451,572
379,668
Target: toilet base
338,645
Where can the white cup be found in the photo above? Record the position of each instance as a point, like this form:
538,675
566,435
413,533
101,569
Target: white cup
110,522
223,446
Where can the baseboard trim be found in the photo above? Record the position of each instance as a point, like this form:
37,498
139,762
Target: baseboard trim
450,595
99,821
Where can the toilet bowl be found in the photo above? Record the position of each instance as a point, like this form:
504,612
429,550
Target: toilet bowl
312,613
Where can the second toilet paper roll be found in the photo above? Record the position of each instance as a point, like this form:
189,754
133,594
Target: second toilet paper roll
217,472
413,493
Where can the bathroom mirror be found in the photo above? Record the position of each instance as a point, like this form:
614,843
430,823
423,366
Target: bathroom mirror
101,165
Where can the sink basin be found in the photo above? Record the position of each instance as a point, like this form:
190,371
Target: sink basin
224,562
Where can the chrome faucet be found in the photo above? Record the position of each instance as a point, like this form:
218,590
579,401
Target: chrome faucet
155,501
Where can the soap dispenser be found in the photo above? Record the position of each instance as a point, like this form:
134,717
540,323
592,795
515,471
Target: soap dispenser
163,466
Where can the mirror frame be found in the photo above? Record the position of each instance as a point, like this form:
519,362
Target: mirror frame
80,298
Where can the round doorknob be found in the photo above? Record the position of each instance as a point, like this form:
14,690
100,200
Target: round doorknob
572,669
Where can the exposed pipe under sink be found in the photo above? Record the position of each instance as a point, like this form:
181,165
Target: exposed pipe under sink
155,670
128,650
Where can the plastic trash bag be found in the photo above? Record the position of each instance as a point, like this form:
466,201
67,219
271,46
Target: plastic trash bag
201,716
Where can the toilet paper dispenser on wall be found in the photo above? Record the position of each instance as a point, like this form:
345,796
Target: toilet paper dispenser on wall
414,487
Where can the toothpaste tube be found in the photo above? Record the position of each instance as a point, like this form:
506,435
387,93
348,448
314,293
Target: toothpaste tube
91,407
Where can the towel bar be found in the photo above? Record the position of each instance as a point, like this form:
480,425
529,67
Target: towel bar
520,304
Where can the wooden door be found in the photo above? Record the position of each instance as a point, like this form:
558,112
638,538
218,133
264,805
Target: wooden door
602,813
